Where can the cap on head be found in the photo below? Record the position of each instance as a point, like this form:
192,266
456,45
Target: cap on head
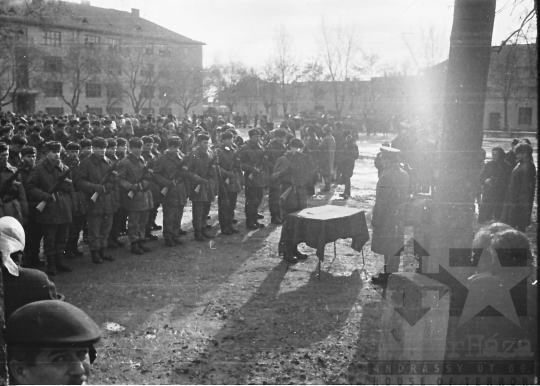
121,142
147,139
174,141
28,150
327,128
73,146
253,132
227,135
280,133
53,146
515,141
51,323
111,142
19,140
85,143
99,142
203,137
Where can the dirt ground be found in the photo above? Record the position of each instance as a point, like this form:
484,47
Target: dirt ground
226,311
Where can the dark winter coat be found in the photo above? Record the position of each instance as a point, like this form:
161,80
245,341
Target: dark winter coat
388,215
499,174
77,198
13,199
43,178
200,164
230,169
520,195
327,150
90,180
349,154
129,169
150,159
274,150
253,156
169,164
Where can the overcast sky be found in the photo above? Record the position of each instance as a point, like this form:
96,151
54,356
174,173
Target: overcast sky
242,30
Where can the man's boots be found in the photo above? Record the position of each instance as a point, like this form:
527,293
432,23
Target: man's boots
233,230
96,259
143,247
104,255
51,267
199,236
135,248
207,234
60,265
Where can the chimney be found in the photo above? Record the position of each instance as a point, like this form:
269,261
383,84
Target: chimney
135,12
85,2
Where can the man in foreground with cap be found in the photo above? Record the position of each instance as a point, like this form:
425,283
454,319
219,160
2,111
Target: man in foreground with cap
50,343
50,183
388,214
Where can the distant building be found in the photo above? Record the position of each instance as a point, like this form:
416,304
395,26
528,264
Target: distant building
77,57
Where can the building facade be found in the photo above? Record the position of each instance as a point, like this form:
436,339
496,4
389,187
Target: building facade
80,58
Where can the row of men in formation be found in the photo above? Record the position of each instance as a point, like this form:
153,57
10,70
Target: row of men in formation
101,184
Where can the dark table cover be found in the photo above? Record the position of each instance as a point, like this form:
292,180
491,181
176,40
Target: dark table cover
325,224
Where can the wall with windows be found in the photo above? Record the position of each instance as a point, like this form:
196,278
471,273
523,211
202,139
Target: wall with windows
522,114
98,92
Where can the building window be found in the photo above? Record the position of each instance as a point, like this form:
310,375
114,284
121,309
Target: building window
56,111
115,111
52,64
52,89
93,90
147,70
525,116
165,110
52,38
115,67
113,44
149,49
91,40
114,91
147,110
95,110
147,91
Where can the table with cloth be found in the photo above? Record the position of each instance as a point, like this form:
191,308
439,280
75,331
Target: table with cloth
325,224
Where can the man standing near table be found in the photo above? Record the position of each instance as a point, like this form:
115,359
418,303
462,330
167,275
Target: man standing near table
327,151
388,213
292,173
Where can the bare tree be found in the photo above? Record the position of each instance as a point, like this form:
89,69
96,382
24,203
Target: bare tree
339,46
313,73
285,65
268,88
185,86
226,80
427,45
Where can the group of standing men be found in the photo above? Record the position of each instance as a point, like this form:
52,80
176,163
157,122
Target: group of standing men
95,176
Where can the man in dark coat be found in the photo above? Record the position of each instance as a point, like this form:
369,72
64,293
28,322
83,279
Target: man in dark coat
12,195
17,143
311,149
32,228
133,176
230,181
494,179
96,180
519,199
346,166
511,155
150,158
50,183
172,179
79,204
201,167
388,213
291,173
327,151
255,166
275,149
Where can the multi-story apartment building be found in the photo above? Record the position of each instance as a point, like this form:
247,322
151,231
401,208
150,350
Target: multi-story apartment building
69,57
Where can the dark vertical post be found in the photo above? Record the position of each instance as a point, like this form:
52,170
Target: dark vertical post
461,137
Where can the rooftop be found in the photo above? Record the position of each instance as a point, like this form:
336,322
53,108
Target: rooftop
86,17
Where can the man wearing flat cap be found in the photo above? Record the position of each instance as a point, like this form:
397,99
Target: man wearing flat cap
12,194
134,176
17,143
201,167
388,214
50,183
50,343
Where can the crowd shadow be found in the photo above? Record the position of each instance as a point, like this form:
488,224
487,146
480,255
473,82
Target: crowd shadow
273,325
